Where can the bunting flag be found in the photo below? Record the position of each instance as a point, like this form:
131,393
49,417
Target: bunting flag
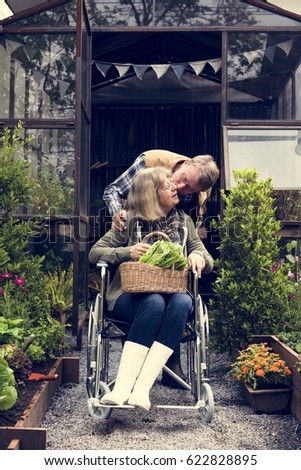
160,69
122,69
269,53
140,70
198,67
37,76
286,46
251,56
103,68
216,64
63,88
178,69
12,46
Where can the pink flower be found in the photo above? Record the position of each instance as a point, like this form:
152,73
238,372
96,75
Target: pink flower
291,275
6,275
19,281
1,291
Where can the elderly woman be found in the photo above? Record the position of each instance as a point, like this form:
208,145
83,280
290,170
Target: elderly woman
157,320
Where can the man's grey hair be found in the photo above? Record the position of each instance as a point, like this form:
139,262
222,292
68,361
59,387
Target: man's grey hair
208,170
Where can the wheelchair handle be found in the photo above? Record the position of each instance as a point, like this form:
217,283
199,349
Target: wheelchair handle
156,234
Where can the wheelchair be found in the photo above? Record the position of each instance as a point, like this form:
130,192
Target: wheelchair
102,330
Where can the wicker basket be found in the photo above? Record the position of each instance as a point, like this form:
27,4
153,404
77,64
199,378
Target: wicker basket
143,277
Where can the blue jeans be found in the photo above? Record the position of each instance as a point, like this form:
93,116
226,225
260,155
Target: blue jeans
154,317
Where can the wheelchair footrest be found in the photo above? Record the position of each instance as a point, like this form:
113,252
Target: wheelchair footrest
200,404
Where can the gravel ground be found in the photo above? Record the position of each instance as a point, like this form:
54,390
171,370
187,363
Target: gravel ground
234,425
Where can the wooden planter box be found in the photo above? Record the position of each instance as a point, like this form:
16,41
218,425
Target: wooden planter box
290,357
267,401
26,434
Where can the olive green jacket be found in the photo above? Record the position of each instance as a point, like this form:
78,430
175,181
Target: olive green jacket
114,248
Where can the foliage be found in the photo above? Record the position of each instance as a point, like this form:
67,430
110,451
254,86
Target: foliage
294,274
27,301
288,204
22,283
250,297
261,368
51,193
18,361
8,392
14,172
59,290
10,332
169,13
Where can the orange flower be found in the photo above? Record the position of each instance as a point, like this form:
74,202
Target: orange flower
260,367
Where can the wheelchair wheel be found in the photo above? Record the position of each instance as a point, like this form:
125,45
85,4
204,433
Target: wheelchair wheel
97,412
206,412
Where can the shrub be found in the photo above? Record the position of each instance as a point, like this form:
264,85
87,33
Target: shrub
250,297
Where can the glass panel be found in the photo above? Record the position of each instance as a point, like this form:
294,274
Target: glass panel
51,155
85,63
38,76
182,13
84,166
264,76
64,15
273,152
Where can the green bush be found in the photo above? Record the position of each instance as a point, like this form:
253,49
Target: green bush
250,297
22,281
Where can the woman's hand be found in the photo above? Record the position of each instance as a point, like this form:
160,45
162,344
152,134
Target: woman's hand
197,263
138,250
119,221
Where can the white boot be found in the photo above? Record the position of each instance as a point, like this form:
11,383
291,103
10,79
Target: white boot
153,364
132,358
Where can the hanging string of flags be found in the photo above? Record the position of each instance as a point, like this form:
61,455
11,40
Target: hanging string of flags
38,75
159,69
198,66
269,51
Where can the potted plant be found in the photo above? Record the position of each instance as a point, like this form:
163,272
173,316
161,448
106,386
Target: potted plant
264,377
250,297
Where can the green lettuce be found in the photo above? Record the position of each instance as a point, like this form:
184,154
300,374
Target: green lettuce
165,254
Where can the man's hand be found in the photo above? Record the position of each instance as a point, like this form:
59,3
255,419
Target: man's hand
138,250
196,263
119,221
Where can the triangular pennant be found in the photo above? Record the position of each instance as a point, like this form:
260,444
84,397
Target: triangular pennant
122,68
269,53
160,69
178,69
198,67
140,70
37,76
103,68
42,83
252,55
216,64
12,46
286,46
26,50
63,88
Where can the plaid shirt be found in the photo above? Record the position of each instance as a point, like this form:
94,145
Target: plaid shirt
119,189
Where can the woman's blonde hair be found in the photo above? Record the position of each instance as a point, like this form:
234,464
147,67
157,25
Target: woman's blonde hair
143,197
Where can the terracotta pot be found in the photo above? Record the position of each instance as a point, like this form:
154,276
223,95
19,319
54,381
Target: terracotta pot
267,401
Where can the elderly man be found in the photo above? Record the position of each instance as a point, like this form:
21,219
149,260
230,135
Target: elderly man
193,177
